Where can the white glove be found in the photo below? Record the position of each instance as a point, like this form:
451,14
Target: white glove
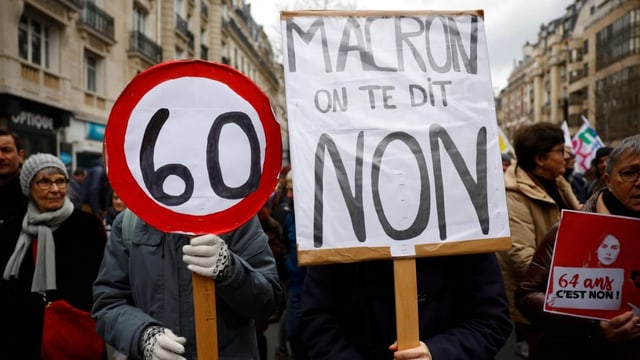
159,343
208,255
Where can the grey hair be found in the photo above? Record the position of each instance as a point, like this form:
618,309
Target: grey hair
630,144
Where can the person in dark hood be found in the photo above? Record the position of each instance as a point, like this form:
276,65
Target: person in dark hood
600,164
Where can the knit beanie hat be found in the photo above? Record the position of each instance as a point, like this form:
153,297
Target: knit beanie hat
602,152
35,163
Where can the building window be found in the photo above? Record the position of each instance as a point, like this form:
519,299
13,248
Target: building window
180,7
204,52
179,53
139,20
576,55
92,64
34,42
618,40
235,58
617,105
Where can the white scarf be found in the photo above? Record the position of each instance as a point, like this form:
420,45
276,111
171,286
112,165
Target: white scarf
41,225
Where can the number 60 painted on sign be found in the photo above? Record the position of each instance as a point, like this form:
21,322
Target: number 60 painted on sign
154,178
183,99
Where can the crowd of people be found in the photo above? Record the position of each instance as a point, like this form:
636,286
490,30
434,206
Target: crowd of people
536,192
538,186
69,238
562,337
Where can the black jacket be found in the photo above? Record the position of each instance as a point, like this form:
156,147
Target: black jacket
348,310
13,204
79,244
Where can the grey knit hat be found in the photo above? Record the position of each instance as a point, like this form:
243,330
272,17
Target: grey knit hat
35,163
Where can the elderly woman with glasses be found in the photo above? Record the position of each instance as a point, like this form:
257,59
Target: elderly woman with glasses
54,254
536,193
566,337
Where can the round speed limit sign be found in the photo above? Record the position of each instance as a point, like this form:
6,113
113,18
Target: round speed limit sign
193,147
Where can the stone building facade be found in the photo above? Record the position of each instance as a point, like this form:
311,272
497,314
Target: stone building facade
585,63
63,63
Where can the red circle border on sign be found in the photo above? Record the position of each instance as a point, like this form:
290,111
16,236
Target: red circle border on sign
126,186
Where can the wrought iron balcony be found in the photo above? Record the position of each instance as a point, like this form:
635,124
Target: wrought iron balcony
97,20
139,42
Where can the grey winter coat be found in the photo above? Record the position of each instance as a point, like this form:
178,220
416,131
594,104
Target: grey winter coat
147,283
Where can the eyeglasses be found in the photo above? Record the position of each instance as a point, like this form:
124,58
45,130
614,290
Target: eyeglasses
45,184
629,175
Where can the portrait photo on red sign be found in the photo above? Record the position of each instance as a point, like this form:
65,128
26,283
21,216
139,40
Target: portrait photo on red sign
595,271
193,147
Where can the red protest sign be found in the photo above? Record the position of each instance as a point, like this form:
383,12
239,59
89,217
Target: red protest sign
193,147
595,271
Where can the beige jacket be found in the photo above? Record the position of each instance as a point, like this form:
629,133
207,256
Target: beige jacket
531,213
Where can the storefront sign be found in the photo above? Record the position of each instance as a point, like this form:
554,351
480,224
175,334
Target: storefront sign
95,131
33,120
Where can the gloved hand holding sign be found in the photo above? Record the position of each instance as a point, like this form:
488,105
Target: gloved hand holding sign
159,343
225,122
208,255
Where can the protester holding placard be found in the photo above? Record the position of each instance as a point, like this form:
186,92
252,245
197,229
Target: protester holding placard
578,338
536,192
397,175
348,309
143,294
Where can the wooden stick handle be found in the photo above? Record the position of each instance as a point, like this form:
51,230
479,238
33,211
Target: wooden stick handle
204,303
406,292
